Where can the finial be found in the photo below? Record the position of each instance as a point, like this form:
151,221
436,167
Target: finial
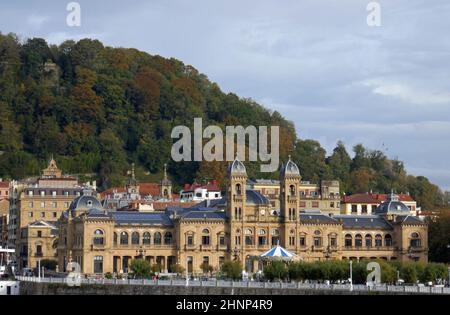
165,170
289,157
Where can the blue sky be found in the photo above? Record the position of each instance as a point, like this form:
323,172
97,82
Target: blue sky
317,62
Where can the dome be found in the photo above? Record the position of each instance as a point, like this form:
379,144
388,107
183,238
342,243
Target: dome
255,198
290,169
237,168
392,205
85,203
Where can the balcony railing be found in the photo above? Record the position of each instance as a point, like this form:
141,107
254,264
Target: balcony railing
38,254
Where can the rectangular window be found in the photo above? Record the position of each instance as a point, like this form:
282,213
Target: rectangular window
30,214
302,204
30,204
333,242
190,240
30,193
42,204
222,240
54,193
39,233
237,240
205,240
42,214
364,209
42,193
291,240
302,241
221,261
354,208
55,214
262,240
317,241
54,204
315,204
248,240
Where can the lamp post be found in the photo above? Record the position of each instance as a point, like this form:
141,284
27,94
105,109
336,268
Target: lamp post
351,276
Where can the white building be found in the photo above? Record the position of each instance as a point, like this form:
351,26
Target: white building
197,192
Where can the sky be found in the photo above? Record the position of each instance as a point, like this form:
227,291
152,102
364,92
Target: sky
317,62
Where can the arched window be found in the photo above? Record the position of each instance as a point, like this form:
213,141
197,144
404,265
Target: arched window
124,238
157,238
275,237
415,240
292,190
388,240
248,237
358,240
348,240
368,240
135,238
378,240
146,238
262,239
98,238
205,237
167,238
238,189
317,238
115,238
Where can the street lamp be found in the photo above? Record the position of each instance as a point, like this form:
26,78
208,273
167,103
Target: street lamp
351,276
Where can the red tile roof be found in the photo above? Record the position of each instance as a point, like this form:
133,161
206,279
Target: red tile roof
373,198
210,186
4,184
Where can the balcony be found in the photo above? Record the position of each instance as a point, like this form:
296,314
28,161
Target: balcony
38,254
204,247
292,199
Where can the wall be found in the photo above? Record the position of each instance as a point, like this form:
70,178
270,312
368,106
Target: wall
32,288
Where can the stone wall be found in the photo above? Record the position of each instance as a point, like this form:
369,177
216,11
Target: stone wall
33,288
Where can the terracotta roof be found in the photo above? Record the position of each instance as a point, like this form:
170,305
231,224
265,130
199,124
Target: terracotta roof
373,198
4,184
360,198
210,186
149,189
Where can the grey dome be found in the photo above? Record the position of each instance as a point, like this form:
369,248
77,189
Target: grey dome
85,203
256,198
237,168
290,169
392,205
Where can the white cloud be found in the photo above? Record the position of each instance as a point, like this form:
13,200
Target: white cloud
406,93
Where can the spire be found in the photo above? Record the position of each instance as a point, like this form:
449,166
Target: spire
133,177
165,170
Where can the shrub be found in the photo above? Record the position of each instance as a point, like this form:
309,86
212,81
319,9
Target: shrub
140,268
108,275
232,269
177,268
276,270
408,273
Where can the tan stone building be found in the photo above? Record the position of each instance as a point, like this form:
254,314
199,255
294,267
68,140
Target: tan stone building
42,202
324,197
240,226
4,212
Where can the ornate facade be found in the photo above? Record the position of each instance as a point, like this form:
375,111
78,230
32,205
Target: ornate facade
240,226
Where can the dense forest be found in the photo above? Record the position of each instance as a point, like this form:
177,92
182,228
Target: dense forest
98,109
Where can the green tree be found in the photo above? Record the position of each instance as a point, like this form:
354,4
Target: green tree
310,158
140,268
232,269
276,270
340,163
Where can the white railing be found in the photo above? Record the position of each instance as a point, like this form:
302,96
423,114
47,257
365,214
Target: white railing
250,284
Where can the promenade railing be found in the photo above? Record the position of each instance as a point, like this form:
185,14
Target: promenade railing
249,284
